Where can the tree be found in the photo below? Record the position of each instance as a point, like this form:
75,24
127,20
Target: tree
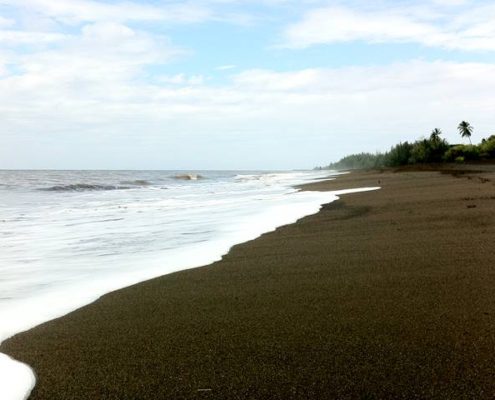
465,129
435,135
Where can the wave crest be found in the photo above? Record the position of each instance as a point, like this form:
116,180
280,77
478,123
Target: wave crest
82,187
188,177
137,182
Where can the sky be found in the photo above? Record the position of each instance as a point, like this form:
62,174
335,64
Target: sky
237,84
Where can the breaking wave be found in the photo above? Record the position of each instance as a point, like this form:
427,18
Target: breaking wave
82,187
137,182
189,177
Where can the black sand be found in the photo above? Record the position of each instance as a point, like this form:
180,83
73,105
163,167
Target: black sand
382,295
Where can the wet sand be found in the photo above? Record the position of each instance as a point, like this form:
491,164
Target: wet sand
381,295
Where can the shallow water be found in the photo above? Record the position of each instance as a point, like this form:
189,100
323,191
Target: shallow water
68,237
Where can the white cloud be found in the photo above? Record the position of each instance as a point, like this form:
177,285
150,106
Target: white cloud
5,22
445,27
15,37
275,81
181,79
450,2
78,11
387,104
98,65
395,98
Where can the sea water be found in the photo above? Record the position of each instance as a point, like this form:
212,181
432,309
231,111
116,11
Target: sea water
68,237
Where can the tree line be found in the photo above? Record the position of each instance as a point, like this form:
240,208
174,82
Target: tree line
433,149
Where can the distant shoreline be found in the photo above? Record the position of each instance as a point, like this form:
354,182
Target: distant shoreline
379,295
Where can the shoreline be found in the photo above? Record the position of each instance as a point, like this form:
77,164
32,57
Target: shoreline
296,311
12,370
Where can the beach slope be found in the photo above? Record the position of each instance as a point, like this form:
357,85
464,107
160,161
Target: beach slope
381,295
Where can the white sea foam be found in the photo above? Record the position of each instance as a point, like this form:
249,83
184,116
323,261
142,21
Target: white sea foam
61,250
16,379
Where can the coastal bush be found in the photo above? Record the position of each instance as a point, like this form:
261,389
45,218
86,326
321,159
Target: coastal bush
468,152
438,149
421,152
399,155
426,150
358,161
487,148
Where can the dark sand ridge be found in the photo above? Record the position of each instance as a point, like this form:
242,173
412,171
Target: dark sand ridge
382,295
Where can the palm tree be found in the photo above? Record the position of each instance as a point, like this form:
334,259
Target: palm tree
465,129
435,135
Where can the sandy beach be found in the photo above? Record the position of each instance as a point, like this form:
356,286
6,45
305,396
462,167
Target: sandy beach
381,295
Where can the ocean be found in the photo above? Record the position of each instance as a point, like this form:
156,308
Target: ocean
69,237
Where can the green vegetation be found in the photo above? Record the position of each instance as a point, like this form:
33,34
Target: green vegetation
357,161
434,149
487,148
